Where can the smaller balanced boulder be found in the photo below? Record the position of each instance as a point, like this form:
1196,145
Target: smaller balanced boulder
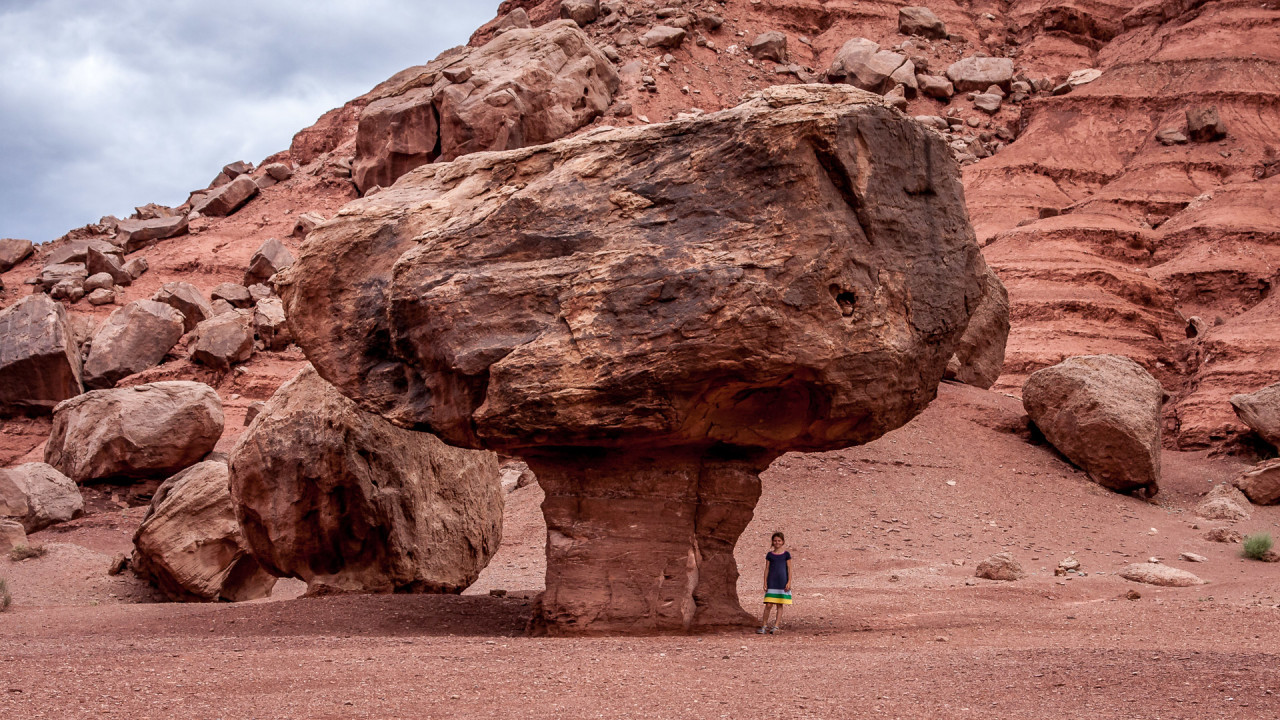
37,495
1260,410
1103,413
144,431
190,545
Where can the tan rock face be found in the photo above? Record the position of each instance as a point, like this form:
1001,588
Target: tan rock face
1103,413
149,430
979,358
39,361
1262,483
525,87
344,500
1260,410
190,545
37,495
582,305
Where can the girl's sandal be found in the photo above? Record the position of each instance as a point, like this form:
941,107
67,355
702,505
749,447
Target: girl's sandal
762,630
774,629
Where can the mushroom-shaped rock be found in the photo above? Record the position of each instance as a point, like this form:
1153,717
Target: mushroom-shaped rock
190,545
39,360
1261,484
344,500
186,299
1103,413
132,339
526,86
582,305
37,495
270,259
143,431
1260,410
980,356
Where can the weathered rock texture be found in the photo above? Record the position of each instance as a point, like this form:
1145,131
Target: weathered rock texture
980,356
190,545
150,430
1103,413
37,495
344,500
1260,410
582,305
524,87
132,339
39,360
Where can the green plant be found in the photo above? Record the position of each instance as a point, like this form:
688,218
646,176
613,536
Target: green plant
1256,545
5,598
24,552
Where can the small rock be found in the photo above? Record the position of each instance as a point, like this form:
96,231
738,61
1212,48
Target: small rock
251,412
98,282
935,87
1171,136
1133,595
237,295
1083,77
1204,125
186,299
119,563
663,36
769,46
223,341
137,267
102,296
1000,566
921,21
271,258
1162,575
1192,557
11,535
306,222
987,103
1261,485
278,171
1223,535
1224,502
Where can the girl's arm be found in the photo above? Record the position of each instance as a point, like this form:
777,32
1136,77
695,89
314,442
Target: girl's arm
766,575
788,574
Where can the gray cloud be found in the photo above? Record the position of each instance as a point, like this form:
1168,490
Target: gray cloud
109,105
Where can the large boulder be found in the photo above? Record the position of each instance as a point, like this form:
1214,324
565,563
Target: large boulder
222,341
144,431
39,360
346,501
1103,413
1260,410
270,259
980,73
132,339
37,495
1262,483
133,235
980,356
579,304
582,12
921,21
862,64
186,299
524,87
13,251
228,198
190,545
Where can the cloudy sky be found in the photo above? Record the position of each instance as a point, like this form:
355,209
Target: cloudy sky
106,105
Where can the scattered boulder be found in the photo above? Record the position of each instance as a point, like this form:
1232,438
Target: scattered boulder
144,431
346,501
515,474
979,359
1262,484
770,45
1260,410
137,267
1158,574
896,98
987,102
97,262
1192,557
935,87
187,300
1001,566
1223,535
921,21
98,282
228,198
237,295
582,12
663,36
528,86
77,251
190,545
70,289
237,168
223,341
39,360
1083,77
270,259
269,324
37,495
862,64
1224,502
1103,413
306,222
645,385
278,171
1171,136
11,535
1204,125
979,73
13,251
133,235
101,296
132,339
59,273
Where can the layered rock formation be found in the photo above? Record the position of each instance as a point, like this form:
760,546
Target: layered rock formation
648,353
346,501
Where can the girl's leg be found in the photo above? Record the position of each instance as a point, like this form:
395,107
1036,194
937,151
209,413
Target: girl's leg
777,616
764,618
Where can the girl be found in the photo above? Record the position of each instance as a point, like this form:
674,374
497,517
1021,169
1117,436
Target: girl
777,583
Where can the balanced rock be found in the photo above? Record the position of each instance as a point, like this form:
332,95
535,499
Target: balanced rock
1001,566
553,307
344,500
770,45
1260,410
134,338
1262,484
39,360
223,341
979,358
921,21
186,299
190,545
1158,574
979,73
37,495
527,86
1103,413
13,251
270,259
228,198
143,431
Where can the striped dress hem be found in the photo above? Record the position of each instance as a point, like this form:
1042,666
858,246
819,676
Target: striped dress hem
777,597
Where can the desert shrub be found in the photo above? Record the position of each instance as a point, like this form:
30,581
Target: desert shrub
24,552
1256,545
5,598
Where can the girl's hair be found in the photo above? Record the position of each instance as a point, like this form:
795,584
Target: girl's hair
778,535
